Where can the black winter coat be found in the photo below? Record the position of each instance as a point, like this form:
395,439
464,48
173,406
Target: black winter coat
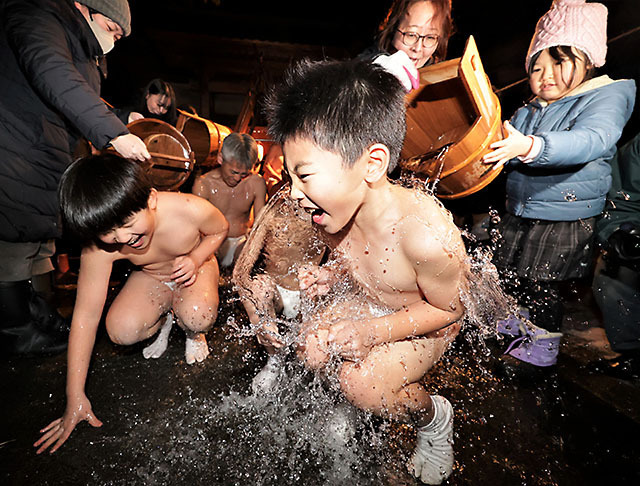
49,98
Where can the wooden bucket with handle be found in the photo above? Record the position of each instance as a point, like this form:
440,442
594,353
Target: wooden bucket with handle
172,159
204,136
452,118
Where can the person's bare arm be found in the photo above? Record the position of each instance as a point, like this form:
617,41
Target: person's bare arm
243,267
439,282
93,282
257,293
213,227
259,196
259,300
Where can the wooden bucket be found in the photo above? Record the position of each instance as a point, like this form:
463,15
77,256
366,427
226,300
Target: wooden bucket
451,120
172,160
204,136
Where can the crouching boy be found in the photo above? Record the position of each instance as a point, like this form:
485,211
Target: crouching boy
342,126
171,238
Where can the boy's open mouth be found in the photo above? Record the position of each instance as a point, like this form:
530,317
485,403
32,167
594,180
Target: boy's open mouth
317,215
134,243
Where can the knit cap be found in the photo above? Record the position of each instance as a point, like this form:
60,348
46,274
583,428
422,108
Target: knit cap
573,23
116,10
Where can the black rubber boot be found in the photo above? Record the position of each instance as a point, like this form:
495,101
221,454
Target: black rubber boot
28,325
43,311
43,285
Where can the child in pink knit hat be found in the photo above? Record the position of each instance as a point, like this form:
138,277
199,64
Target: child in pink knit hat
557,153
572,23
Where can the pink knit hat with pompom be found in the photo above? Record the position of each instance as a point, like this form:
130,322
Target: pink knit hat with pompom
572,23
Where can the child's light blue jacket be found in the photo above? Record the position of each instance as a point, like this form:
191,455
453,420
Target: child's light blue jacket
570,177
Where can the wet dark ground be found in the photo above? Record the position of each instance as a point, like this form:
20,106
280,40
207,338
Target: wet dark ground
166,422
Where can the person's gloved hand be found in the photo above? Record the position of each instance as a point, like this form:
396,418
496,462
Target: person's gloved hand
401,67
134,115
130,147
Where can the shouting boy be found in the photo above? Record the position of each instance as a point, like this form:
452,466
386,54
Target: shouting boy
342,126
108,202
235,191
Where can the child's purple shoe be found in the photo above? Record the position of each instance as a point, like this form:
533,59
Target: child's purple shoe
514,325
538,346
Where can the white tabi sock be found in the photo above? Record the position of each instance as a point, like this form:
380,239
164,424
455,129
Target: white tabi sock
159,346
432,461
268,376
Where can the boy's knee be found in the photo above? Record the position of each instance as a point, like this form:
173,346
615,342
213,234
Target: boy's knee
123,331
364,390
199,319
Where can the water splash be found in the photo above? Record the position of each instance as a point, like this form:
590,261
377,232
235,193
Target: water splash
287,427
427,166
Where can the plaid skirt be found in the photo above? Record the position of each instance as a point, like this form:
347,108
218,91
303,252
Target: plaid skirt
545,250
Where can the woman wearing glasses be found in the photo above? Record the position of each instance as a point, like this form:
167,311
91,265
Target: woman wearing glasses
414,33
420,28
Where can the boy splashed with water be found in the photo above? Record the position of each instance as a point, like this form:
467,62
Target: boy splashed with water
171,238
341,126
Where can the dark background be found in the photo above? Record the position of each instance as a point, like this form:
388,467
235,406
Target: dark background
160,419
215,51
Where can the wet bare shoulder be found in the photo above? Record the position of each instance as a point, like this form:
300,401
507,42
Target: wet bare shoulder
256,183
102,254
204,184
427,230
182,206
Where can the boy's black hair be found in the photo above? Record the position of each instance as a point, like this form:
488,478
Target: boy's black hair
344,107
99,193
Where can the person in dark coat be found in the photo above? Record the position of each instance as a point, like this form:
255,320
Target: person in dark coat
616,282
50,74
